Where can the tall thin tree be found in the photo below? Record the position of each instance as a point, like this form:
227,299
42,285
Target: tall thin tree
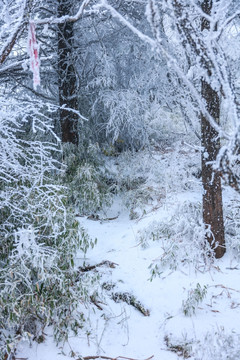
211,180
67,76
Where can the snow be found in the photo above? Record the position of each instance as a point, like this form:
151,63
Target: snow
121,330
187,302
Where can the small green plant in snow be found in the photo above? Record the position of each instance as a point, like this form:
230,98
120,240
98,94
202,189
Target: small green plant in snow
195,297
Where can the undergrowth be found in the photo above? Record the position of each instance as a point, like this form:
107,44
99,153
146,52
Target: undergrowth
87,179
181,239
218,344
194,298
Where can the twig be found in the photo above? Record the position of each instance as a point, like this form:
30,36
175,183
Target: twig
224,287
96,303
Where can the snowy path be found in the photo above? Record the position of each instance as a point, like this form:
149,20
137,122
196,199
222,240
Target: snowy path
121,330
129,333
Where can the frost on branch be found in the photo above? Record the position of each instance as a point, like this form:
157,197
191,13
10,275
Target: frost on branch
33,50
39,237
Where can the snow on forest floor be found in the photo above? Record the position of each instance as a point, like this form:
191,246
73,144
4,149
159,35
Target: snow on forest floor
193,311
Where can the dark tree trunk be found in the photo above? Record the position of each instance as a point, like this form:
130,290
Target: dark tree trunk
211,180
212,191
67,78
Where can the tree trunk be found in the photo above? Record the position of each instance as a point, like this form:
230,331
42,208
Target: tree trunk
211,180
67,78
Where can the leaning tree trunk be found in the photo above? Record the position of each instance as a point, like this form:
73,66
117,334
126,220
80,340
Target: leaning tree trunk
211,180
67,78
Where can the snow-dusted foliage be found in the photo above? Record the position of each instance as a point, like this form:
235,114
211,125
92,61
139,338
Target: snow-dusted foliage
181,239
137,92
232,224
215,344
194,298
131,179
148,178
218,345
191,37
136,111
38,236
87,179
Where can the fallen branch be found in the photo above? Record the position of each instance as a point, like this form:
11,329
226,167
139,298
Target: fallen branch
97,218
93,217
107,263
110,218
130,300
110,358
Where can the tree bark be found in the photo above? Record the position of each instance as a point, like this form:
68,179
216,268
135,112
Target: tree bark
211,180
67,78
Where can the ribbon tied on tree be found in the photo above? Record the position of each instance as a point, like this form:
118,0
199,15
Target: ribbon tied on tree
33,50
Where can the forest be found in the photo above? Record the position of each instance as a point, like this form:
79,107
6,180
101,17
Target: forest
119,179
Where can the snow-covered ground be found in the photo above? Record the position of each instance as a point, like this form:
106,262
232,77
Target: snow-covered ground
193,310
121,330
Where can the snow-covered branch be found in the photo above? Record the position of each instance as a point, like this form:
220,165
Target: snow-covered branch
172,62
64,19
124,21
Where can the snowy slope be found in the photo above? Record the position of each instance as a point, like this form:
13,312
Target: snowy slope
194,310
123,330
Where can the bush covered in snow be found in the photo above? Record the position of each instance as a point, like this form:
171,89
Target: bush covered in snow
39,237
87,179
181,238
215,345
218,345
